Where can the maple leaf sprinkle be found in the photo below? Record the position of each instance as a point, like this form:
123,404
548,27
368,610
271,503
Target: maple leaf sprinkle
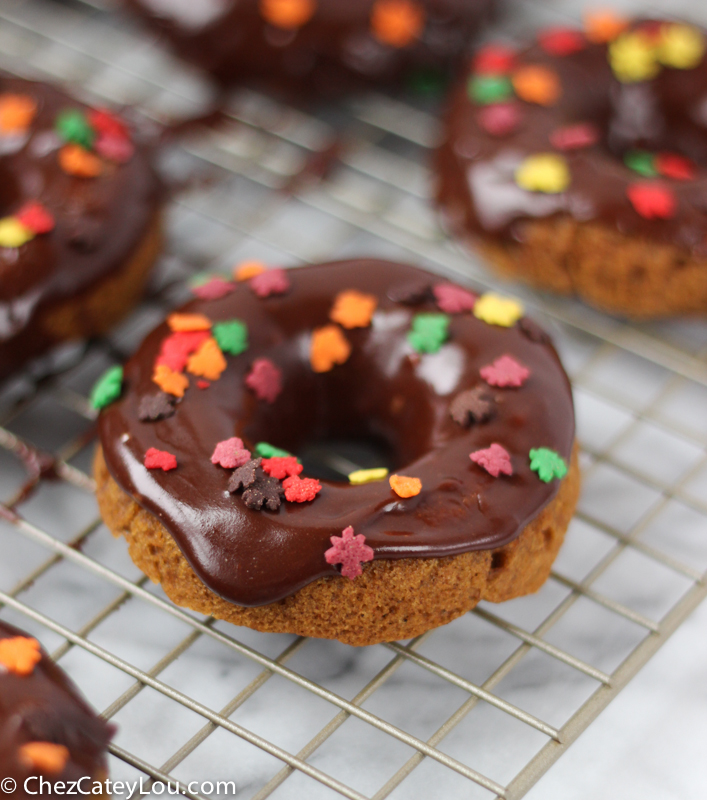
156,406
428,332
452,299
264,491
265,379
350,551
230,453
299,490
272,281
244,476
472,405
505,372
494,459
547,463
281,467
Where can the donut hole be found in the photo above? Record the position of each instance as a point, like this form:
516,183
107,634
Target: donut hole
334,459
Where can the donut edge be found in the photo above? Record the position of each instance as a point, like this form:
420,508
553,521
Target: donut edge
391,600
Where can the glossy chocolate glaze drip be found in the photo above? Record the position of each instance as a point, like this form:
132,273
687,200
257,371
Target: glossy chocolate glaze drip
333,52
99,223
475,171
45,706
385,390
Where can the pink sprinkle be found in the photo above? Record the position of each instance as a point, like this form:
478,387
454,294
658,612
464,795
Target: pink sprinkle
652,200
114,148
35,217
265,379
281,467
160,459
504,372
350,551
299,490
230,453
202,384
213,289
272,281
494,459
453,299
574,137
500,119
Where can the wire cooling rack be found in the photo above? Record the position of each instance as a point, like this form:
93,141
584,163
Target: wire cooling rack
479,708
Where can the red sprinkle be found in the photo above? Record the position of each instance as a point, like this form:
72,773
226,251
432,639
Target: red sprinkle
230,453
213,289
504,372
494,459
299,490
500,119
452,299
561,41
160,459
494,59
107,123
34,215
202,384
272,281
652,200
671,165
177,347
574,137
281,467
350,551
265,379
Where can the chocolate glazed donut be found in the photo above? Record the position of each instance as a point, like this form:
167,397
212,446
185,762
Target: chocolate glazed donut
318,46
95,208
248,560
47,729
618,213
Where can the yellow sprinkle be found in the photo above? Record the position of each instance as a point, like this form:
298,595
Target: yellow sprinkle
633,57
13,233
681,46
495,309
543,172
368,476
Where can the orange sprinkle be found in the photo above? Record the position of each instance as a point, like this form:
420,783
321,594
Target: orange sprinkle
603,26
16,112
536,84
188,322
170,381
248,269
329,346
75,160
19,654
397,22
208,361
404,486
287,14
44,756
353,309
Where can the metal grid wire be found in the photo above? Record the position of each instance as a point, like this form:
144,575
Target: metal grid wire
490,701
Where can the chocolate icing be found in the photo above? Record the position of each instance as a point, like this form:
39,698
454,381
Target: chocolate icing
99,223
475,170
384,390
45,706
333,52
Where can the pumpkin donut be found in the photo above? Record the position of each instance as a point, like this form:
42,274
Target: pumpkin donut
199,433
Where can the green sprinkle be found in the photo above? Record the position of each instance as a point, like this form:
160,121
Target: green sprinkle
107,388
201,278
486,89
231,336
548,464
427,81
641,162
265,450
361,476
73,126
429,332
